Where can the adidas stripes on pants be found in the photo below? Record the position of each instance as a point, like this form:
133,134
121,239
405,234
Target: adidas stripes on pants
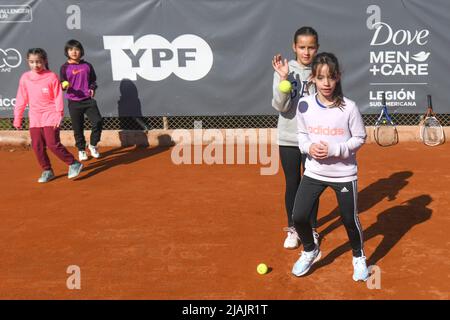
347,196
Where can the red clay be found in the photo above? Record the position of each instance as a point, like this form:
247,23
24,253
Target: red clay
140,227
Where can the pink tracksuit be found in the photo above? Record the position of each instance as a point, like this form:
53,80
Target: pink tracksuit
42,93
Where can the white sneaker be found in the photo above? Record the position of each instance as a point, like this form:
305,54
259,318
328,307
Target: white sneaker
305,262
82,155
292,240
46,176
360,271
94,151
74,169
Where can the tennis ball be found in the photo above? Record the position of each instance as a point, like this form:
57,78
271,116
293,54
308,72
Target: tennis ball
262,268
285,86
65,85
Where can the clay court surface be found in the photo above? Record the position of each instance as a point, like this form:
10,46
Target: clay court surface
140,227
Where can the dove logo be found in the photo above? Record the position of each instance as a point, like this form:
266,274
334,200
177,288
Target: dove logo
397,57
421,56
398,61
384,35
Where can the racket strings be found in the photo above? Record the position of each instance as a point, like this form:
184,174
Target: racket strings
432,122
432,132
386,135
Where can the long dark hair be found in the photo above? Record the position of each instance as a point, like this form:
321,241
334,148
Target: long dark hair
329,59
41,53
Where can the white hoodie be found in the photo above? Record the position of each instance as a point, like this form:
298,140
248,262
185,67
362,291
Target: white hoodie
286,103
342,128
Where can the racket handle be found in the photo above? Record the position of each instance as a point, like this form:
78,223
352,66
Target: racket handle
429,101
383,99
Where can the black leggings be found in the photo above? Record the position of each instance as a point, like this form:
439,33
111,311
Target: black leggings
77,109
347,196
292,160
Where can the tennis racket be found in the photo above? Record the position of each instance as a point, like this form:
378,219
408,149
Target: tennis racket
385,133
430,129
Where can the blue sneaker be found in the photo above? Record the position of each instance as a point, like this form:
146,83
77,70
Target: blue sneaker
74,169
46,176
360,271
305,262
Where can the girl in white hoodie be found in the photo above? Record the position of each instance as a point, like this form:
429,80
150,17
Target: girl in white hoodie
330,131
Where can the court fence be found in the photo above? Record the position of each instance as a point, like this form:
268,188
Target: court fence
211,122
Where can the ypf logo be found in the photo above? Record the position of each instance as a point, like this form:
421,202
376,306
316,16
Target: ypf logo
154,58
10,58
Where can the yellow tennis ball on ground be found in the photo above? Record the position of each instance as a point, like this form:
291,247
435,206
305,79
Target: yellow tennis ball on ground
65,84
262,268
285,86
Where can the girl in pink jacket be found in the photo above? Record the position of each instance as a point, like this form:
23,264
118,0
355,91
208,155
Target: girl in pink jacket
40,89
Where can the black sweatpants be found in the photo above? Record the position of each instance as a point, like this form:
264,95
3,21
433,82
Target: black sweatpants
347,196
292,160
77,110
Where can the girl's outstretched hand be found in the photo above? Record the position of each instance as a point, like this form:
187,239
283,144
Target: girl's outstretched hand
280,66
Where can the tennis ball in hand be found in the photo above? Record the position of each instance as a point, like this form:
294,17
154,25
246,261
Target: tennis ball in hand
65,85
262,268
285,86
